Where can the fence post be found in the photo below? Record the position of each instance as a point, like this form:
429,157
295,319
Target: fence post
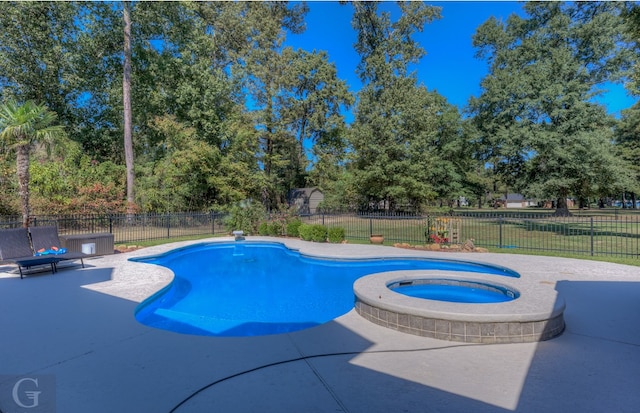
110,224
500,226
370,225
323,217
592,236
168,225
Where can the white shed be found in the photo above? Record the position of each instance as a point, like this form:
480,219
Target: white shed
306,199
518,201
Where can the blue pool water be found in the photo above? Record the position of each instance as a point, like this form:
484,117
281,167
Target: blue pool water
258,288
471,293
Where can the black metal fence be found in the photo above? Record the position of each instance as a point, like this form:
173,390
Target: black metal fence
130,228
596,235
613,235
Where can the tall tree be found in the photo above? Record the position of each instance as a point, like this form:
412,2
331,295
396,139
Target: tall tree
126,100
67,55
402,132
214,48
627,138
631,16
296,99
308,109
22,127
36,54
536,112
264,71
628,129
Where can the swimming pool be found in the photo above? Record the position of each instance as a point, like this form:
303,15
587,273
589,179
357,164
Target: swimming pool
249,288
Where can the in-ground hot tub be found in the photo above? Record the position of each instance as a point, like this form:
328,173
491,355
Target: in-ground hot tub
455,291
534,313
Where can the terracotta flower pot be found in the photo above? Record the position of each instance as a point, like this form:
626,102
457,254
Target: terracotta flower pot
376,239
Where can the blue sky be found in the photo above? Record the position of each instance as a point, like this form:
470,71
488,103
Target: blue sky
449,66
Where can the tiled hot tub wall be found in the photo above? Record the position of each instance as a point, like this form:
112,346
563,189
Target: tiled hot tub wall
464,331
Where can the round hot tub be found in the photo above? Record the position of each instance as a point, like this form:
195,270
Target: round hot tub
461,306
456,291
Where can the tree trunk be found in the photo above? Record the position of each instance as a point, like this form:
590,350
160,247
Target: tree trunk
562,209
126,98
583,203
22,169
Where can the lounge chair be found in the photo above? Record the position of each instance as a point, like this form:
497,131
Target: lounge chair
16,248
45,240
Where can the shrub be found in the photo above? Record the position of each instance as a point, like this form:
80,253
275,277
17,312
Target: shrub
274,229
263,229
245,216
313,232
318,233
305,231
335,235
293,227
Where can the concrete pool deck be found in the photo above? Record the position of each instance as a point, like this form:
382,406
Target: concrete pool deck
77,327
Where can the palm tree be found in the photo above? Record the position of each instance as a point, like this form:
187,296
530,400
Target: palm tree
21,127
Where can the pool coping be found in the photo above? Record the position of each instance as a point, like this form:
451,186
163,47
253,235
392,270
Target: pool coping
536,315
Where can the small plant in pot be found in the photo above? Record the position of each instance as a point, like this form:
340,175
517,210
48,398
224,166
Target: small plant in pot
376,238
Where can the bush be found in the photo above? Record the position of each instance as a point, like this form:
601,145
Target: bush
335,235
293,227
263,229
274,229
315,232
245,216
318,233
304,231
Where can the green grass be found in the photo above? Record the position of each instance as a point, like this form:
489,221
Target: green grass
570,235
611,259
595,212
153,243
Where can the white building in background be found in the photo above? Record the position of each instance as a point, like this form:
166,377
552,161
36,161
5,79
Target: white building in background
306,200
517,201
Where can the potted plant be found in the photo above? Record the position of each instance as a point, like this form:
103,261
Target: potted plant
376,238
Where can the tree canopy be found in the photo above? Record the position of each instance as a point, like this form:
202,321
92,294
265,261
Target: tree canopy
223,111
536,115
404,137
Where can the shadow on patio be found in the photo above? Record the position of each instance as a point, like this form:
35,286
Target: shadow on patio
104,361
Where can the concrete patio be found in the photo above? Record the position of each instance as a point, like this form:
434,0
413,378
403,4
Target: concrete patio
76,328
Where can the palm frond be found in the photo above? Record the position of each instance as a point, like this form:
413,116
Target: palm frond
27,123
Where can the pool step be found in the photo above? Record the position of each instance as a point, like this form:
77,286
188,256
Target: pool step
213,325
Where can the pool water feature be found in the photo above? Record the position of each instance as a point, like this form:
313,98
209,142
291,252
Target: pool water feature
250,288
